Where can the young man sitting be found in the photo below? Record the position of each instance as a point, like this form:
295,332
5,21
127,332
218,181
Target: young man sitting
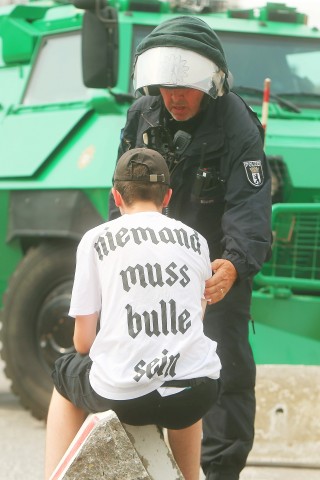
142,276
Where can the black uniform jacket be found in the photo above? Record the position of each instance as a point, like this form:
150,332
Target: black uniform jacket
235,215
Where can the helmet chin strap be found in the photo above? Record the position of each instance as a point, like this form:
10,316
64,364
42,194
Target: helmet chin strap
152,90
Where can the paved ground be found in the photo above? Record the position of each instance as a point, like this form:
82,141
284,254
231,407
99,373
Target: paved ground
22,442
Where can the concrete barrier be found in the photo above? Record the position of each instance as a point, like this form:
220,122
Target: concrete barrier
108,450
287,437
287,427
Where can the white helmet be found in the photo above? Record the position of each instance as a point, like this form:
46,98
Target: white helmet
176,67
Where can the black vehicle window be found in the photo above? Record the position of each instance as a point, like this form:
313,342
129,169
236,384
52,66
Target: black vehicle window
139,32
291,63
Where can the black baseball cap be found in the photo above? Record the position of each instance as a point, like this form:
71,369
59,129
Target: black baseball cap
158,171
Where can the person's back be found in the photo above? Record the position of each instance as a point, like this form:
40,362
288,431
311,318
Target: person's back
141,344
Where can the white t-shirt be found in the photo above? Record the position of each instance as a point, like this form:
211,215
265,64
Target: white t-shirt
145,273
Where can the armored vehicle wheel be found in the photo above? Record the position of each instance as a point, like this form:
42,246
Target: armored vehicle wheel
36,328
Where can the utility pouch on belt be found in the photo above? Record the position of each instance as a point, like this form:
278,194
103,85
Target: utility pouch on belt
207,185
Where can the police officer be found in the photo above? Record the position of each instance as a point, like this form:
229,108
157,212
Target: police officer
221,187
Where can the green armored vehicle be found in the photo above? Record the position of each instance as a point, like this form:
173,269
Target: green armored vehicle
61,112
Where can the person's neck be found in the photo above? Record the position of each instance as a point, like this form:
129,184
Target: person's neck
140,207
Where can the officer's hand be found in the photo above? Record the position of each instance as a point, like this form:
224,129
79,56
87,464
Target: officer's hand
220,283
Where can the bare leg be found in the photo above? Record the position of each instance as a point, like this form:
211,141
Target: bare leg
186,447
63,423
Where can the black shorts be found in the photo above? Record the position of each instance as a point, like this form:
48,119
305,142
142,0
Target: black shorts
180,410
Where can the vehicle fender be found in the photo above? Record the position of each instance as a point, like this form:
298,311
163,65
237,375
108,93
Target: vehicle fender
50,214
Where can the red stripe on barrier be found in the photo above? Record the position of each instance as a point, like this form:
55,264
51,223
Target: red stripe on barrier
81,436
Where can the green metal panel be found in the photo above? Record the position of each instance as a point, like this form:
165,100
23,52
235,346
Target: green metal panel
10,254
24,24
88,159
295,261
85,159
160,6
287,310
287,329
297,140
29,137
23,36
100,199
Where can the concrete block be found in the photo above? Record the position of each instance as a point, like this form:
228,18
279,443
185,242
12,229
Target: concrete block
154,453
104,449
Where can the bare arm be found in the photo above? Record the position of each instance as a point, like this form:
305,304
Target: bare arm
204,306
85,331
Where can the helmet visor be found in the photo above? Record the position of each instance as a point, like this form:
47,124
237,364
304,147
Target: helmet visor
175,67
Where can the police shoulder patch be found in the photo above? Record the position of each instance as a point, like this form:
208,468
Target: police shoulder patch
254,172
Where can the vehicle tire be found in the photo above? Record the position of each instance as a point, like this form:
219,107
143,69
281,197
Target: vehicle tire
36,328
